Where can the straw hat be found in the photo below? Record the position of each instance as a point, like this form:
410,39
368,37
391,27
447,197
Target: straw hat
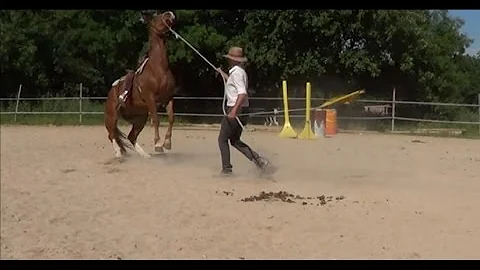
236,54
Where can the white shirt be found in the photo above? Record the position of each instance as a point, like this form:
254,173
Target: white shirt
237,84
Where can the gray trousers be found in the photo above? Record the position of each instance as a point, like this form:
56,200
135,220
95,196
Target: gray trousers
231,131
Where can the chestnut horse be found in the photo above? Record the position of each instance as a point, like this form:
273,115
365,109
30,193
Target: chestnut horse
153,84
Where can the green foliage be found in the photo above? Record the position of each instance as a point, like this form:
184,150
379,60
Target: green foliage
421,53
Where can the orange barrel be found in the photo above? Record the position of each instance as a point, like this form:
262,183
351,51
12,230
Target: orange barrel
330,122
329,119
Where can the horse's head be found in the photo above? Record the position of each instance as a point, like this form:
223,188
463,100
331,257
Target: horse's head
160,22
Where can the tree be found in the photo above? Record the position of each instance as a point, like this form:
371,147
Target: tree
420,53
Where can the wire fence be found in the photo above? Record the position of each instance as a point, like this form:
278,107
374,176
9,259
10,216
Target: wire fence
381,112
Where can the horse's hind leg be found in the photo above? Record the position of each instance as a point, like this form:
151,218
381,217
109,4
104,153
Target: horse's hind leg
112,137
138,124
167,144
111,116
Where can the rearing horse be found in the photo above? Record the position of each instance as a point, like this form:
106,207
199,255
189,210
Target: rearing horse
153,84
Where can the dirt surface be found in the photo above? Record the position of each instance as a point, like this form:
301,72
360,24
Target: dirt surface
63,195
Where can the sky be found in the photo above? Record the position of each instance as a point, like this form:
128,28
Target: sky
471,27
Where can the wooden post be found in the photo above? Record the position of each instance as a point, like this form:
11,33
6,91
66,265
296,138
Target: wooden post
80,103
18,102
394,92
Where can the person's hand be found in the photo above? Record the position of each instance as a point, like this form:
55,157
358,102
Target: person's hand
222,73
218,70
232,114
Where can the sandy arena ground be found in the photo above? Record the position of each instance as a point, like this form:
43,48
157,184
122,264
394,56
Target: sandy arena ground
63,196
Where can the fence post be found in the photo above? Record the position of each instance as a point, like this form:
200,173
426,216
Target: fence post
393,109
18,102
80,103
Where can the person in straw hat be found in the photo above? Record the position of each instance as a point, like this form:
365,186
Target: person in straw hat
237,105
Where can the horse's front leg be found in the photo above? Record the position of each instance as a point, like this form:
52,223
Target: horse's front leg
167,144
152,110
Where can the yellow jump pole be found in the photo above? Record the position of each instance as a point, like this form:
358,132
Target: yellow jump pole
307,132
287,130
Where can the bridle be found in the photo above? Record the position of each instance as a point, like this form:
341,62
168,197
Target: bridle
158,32
172,17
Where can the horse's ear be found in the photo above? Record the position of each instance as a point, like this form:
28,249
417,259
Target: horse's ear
146,17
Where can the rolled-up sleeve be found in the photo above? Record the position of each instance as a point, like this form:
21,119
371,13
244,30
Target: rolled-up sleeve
240,81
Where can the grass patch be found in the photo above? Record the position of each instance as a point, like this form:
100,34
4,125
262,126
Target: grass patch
46,113
410,127
49,116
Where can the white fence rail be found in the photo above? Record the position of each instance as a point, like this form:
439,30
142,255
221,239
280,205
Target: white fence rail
391,117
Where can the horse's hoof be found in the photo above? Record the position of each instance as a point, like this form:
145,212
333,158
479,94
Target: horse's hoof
159,149
167,144
147,156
